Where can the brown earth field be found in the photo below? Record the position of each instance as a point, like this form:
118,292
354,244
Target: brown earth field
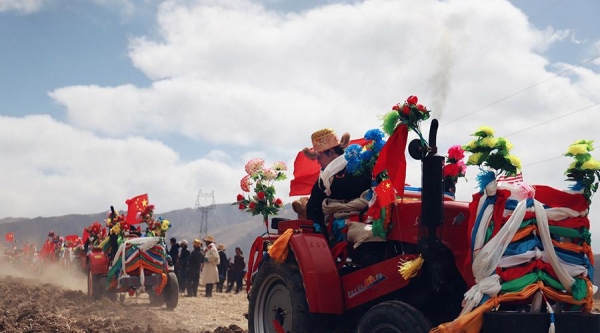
56,300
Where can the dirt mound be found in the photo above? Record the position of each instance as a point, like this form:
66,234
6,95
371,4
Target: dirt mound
30,305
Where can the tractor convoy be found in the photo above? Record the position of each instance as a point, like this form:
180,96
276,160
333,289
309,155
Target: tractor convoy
450,285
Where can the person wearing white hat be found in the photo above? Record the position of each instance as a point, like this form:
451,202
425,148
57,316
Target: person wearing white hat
210,272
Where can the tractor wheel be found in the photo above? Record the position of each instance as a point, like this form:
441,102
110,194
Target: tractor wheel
155,300
393,317
111,293
171,291
278,299
94,286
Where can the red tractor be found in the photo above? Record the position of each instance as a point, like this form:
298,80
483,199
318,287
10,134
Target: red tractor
319,289
140,265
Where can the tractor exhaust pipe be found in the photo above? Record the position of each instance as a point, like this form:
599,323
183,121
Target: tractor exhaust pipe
432,185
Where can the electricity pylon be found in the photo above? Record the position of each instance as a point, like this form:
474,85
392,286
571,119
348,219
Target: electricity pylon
205,202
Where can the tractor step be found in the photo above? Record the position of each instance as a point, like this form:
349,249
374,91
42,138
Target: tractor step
134,281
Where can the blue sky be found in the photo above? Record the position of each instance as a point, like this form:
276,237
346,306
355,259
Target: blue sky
106,99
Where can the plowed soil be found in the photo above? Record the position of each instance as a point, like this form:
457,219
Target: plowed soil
55,300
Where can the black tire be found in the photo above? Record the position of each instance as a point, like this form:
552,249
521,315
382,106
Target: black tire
278,294
393,317
171,291
110,294
155,300
95,288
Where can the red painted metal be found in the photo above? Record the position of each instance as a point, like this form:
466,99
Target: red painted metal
98,262
319,273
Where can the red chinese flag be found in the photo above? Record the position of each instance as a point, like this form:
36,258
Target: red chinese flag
9,237
393,159
306,172
85,235
47,250
385,195
71,240
135,205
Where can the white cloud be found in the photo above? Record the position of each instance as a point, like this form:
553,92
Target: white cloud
233,74
58,169
22,6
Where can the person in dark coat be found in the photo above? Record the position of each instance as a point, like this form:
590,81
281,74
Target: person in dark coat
229,280
334,181
223,263
195,261
183,266
174,253
237,269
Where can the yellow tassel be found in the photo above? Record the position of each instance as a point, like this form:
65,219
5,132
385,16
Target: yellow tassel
409,269
104,241
279,250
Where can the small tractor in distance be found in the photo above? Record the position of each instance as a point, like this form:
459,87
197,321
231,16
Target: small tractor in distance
318,290
140,265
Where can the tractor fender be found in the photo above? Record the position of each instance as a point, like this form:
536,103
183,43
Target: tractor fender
319,273
98,262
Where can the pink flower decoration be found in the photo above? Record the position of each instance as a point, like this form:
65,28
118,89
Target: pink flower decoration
245,183
254,165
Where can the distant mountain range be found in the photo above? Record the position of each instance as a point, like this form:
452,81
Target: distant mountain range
226,223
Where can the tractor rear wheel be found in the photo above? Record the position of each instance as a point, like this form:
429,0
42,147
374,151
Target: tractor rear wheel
393,317
171,291
278,300
94,286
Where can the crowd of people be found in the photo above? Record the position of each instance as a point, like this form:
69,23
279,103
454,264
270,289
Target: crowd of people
64,251
206,263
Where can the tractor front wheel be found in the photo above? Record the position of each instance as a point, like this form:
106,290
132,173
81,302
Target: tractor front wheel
171,291
278,300
95,288
393,317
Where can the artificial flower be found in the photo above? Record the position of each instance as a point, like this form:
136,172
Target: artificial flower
584,170
484,131
577,149
489,142
456,153
591,164
361,159
455,166
493,153
245,183
270,174
254,165
409,113
259,181
515,161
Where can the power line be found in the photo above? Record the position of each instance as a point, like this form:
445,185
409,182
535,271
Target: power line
522,90
553,119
